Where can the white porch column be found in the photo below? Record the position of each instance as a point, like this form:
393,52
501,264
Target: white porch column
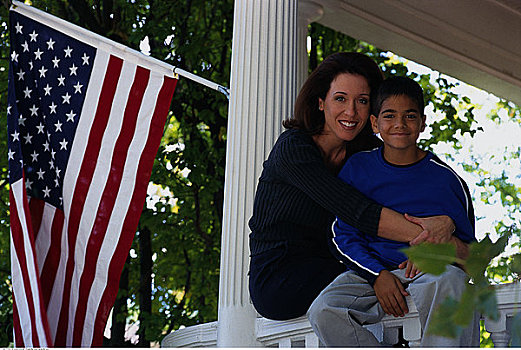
263,90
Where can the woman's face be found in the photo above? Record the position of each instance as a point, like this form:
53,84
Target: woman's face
346,107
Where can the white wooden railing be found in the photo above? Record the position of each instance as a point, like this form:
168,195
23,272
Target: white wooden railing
298,332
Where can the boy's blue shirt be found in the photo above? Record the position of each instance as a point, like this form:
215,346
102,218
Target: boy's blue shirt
426,188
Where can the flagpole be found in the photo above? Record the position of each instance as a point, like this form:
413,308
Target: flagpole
203,81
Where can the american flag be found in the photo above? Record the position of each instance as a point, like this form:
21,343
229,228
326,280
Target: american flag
85,118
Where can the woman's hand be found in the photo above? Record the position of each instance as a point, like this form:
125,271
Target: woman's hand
411,269
436,229
391,294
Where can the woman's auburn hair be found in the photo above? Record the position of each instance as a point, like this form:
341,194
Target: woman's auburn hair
306,115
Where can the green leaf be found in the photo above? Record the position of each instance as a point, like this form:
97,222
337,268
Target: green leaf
432,258
480,255
442,321
465,311
486,302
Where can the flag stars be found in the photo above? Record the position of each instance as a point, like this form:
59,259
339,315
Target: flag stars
50,44
53,108
15,136
28,139
28,184
56,182
63,145
34,155
61,80
55,62
46,192
21,120
58,126
14,56
58,171
85,59
46,146
33,35
51,164
25,46
66,98
34,110
27,92
53,153
40,174
70,116
18,28
47,90
20,74
38,54
73,69
77,88
10,155
40,128
9,109
42,71
30,65
68,51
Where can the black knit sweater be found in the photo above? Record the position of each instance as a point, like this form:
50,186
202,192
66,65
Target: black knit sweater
298,198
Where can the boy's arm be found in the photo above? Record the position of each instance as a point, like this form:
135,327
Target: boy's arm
350,247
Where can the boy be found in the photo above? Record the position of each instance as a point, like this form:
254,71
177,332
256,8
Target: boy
407,179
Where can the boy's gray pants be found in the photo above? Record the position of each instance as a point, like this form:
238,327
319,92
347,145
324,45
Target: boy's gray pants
338,313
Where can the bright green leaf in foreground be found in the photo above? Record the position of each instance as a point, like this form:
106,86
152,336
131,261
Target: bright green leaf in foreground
432,258
480,255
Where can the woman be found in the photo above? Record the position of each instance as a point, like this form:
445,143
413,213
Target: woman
298,194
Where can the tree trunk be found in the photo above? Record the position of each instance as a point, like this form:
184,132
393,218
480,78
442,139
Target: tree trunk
145,286
120,311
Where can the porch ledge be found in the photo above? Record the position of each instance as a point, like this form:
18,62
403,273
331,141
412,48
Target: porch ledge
298,333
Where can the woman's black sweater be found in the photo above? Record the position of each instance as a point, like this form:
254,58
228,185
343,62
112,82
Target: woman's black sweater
298,198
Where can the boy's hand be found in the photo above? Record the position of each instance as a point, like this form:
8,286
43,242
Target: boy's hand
436,229
391,294
411,269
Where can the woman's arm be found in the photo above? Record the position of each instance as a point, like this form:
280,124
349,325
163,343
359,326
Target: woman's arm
395,226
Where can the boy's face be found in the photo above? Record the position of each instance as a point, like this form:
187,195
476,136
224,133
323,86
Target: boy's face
399,122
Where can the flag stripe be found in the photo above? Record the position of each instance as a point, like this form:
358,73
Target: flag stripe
138,198
36,207
30,332
17,331
122,203
100,176
84,180
42,325
43,239
108,198
50,267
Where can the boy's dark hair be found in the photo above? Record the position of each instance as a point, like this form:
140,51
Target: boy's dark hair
395,86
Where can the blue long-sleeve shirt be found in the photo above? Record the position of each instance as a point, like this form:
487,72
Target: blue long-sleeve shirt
426,188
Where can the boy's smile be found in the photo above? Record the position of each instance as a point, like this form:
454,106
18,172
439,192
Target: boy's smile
400,123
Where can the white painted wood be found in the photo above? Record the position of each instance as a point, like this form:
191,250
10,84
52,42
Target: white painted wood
263,90
270,333
476,42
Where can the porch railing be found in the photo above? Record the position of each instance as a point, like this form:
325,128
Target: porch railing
298,333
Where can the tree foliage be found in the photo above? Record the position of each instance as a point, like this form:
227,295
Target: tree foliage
172,273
